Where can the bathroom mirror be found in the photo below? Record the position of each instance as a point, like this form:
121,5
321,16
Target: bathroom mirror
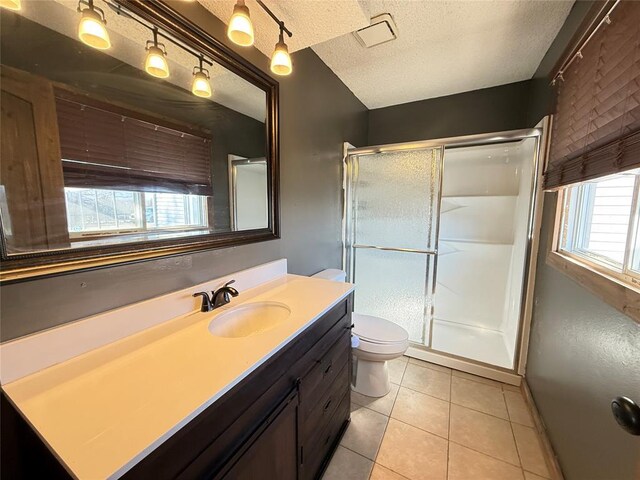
152,139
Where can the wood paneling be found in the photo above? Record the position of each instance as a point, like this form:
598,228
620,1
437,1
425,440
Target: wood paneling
31,167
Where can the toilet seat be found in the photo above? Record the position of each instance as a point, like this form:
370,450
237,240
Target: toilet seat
379,336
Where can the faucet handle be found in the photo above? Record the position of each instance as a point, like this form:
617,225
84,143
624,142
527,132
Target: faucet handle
229,283
206,301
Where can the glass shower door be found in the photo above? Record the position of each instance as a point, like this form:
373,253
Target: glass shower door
391,249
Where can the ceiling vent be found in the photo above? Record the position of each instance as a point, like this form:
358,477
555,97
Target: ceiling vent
382,30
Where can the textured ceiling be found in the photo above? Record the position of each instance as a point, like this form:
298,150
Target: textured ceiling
128,40
310,21
446,47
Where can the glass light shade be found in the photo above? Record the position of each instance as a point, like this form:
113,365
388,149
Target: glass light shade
156,63
240,29
280,60
11,4
93,31
201,86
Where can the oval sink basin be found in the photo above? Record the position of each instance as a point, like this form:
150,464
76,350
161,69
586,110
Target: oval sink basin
249,319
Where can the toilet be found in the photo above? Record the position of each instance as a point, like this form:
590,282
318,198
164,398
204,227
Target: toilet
379,341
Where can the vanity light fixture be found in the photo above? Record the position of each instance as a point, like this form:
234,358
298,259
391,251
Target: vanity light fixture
11,4
281,60
156,62
201,86
92,29
240,29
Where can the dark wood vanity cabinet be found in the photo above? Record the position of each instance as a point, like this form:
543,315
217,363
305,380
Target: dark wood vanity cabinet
282,422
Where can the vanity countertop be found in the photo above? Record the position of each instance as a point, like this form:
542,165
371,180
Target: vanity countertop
104,411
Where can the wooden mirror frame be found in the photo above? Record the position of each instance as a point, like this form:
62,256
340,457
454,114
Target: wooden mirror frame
20,267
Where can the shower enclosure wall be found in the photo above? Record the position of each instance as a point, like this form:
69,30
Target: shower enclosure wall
437,239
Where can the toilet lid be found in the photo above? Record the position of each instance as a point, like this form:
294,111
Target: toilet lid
378,330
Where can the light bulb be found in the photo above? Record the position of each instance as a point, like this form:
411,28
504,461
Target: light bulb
11,4
280,60
156,63
240,29
201,86
92,30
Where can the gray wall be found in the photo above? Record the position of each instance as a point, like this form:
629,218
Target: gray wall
582,353
312,129
480,111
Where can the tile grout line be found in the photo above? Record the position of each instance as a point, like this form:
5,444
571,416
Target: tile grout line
457,404
487,455
513,435
449,427
375,461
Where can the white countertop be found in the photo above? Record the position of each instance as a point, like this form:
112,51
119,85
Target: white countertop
104,411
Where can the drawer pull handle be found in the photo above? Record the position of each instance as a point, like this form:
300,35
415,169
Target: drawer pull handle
327,440
328,369
327,405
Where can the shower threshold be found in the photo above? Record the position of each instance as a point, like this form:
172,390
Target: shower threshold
480,344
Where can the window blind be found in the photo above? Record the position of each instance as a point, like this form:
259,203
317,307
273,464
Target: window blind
596,128
104,149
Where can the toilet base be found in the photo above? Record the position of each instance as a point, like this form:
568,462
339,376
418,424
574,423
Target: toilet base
370,378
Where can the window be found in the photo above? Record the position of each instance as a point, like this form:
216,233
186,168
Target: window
93,211
599,225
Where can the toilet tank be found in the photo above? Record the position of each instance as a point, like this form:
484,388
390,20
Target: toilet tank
332,274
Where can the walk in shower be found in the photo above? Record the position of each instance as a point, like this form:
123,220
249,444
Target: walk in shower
437,239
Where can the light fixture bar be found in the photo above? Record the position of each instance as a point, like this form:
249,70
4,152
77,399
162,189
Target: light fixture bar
120,10
276,19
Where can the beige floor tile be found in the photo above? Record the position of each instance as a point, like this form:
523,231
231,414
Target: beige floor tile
483,433
530,450
412,452
518,409
532,476
425,380
404,358
478,396
475,378
365,432
466,464
430,365
381,405
348,465
422,411
381,473
396,370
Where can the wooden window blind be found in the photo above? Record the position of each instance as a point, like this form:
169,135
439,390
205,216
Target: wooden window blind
104,149
596,127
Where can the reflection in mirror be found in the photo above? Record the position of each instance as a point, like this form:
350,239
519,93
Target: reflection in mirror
248,192
95,151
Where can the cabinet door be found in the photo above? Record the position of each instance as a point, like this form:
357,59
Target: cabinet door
273,452
31,178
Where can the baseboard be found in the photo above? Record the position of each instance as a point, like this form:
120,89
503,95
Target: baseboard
550,456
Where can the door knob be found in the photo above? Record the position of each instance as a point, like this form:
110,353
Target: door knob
627,414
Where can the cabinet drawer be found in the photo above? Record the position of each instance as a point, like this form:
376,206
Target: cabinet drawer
316,452
317,417
325,370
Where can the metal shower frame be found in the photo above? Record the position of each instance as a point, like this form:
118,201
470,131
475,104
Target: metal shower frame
350,177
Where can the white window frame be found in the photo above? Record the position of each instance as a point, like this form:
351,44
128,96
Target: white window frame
618,286
141,202
621,271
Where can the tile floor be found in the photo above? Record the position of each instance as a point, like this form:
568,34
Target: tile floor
439,424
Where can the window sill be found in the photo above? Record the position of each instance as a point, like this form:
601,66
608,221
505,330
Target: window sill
622,296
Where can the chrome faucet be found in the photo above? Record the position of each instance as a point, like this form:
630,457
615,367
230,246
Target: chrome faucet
218,298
